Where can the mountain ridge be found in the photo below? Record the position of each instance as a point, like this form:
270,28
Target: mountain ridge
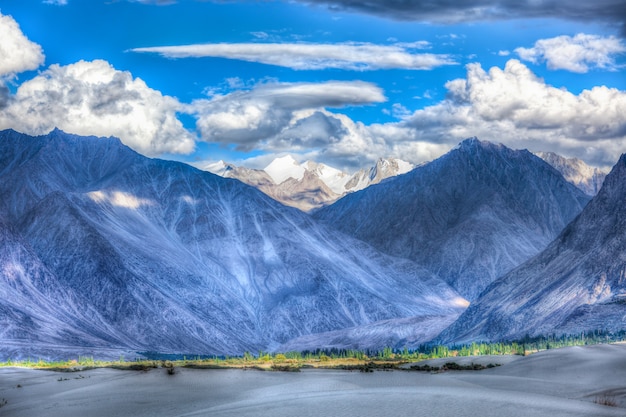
157,255
576,284
468,216
586,178
310,185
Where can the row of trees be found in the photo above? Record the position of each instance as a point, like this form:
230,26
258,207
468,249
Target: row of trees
524,346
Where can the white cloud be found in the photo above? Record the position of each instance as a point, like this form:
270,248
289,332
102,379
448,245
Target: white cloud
310,56
576,54
504,53
271,114
56,2
515,107
17,53
93,98
511,105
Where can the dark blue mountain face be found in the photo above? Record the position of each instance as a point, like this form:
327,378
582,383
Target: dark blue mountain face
121,251
469,217
577,284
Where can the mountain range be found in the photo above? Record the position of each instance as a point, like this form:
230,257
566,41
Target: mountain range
469,217
105,250
586,178
578,283
309,185
145,254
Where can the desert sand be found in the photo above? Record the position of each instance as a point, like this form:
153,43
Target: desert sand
563,382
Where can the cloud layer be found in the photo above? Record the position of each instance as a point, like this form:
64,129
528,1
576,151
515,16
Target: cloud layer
454,11
576,54
93,98
510,105
277,115
312,56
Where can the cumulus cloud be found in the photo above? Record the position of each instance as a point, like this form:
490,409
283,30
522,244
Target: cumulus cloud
514,106
576,54
268,113
17,53
93,98
313,56
56,2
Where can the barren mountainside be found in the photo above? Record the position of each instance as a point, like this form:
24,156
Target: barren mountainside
578,283
145,254
587,178
470,216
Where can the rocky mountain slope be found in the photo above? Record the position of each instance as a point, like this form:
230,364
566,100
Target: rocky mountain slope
578,283
310,185
470,216
104,247
586,178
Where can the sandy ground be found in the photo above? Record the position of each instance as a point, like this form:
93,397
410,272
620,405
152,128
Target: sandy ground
561,382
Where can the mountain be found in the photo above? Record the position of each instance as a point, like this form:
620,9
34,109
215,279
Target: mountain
586,178
394,333
577,283
29,313
310,185
469,217
102,247
383,169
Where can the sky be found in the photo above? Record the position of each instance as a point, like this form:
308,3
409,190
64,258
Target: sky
341,82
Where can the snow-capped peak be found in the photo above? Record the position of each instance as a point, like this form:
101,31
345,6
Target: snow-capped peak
219,168
333,178
283,168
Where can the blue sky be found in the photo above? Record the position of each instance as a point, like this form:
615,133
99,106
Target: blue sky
334,81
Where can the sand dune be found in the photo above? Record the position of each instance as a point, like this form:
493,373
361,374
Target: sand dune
561,382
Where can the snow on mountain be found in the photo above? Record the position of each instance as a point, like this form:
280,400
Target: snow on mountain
332,177
470,216
576,284
310,185
586,178
220,168
283,168
383,169
118,250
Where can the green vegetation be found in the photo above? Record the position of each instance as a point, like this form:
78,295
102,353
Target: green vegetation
348,359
